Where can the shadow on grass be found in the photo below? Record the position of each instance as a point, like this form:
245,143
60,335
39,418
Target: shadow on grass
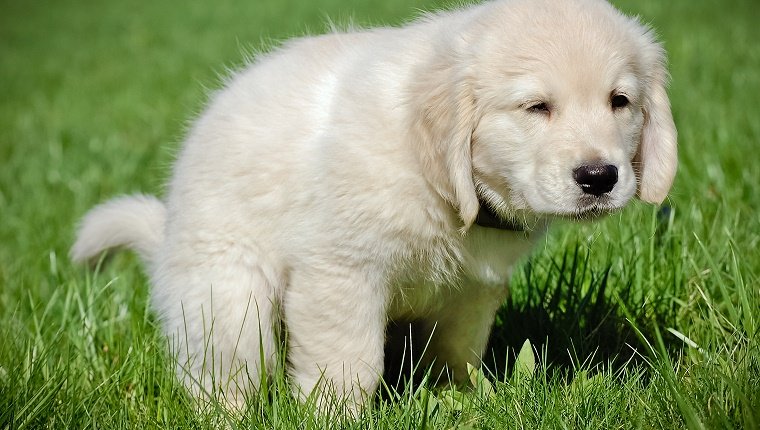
570,311
573,318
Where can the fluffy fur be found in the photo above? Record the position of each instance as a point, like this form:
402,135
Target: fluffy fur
332,186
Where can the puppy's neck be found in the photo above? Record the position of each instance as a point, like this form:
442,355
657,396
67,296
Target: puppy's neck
489,219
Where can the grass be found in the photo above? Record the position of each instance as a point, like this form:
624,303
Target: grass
648,319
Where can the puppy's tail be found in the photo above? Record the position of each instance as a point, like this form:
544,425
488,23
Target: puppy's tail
135,222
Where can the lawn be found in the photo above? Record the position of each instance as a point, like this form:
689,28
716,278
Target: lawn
648,319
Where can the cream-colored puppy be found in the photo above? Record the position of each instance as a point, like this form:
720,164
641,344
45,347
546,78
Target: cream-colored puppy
345,181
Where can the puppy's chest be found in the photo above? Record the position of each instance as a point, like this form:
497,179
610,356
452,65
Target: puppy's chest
482,261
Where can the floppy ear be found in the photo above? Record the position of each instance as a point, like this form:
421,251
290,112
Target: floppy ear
657,156
443,119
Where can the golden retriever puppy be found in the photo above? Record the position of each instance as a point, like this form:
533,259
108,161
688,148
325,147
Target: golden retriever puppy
349,180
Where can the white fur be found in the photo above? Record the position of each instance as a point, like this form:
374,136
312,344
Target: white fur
133,221
333,184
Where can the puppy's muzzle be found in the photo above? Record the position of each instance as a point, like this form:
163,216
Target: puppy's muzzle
596,179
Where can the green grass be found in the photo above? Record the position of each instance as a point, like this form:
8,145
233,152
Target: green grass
640,321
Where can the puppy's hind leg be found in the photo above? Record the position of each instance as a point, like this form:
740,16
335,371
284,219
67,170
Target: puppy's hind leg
219,310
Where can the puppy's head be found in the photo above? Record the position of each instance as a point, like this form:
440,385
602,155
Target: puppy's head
562,110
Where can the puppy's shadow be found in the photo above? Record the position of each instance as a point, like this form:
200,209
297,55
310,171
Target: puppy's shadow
575,317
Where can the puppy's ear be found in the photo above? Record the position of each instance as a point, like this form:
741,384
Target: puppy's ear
657,157
443,119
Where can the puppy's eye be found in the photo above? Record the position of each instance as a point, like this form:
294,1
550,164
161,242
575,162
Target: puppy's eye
619,101
541,107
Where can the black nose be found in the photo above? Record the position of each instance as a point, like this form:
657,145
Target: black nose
596,179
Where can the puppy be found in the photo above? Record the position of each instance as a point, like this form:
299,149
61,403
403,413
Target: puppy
347,181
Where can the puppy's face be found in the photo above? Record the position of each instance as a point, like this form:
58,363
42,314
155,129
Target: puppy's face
562,115
563,137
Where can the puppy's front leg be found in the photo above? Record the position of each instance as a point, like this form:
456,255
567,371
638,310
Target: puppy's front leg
335,318
460,329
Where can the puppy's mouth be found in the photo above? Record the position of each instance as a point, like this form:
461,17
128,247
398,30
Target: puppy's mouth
589,214
521,217
590,208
